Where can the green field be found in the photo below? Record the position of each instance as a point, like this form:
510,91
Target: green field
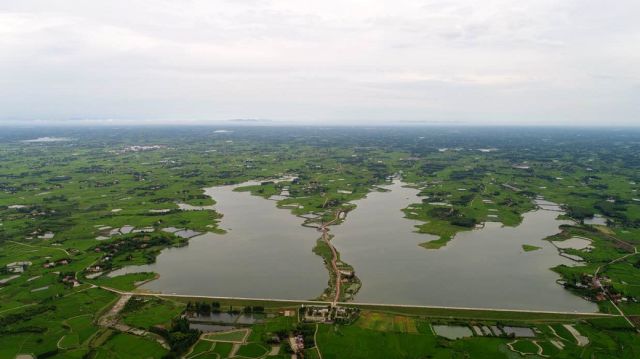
151,312
236,336
129,346
64,207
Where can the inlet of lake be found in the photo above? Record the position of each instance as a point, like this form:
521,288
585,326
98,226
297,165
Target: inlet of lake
266,253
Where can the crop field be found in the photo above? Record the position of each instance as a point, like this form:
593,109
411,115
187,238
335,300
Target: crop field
122,345
235,336
73,211
387,323
146,312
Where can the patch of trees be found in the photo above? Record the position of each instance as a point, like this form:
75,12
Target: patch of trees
466,175
25,315
97,207
134,304
190,174
431,168
179,336
32,329
508,202
612,210
59,179
463,200
153,187
453,216
55,198
599,186
579,213
127,244
203,307
253,309
91,169
468,222
39,173
15,176
528,193
307,331
161,200
196,196
330,203
580,194
7,187
379,171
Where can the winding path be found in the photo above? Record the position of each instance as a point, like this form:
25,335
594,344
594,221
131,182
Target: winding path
334,259
604,290
45,247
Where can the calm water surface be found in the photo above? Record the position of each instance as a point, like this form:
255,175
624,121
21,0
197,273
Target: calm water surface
480,268
268,254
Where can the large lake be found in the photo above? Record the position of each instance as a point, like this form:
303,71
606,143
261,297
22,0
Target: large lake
268,254
479,268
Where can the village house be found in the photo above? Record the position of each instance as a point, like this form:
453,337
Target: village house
94,269
297,343
18,267
70,280
346,273
60,262
316,314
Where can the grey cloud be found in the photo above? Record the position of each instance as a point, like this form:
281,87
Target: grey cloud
544,61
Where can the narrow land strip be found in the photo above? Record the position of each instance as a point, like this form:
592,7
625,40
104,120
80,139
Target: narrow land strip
358,304
334,254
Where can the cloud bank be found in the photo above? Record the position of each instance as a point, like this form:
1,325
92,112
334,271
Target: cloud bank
358,62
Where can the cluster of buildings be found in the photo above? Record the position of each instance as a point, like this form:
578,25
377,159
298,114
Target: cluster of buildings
328,314
71,280
59,262
602,289
350,283
18,267
137,148
297,343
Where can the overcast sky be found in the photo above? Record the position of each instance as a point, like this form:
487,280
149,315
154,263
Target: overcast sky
321,62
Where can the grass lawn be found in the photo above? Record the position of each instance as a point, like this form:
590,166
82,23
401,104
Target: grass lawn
525,346
236,336
70,341
201,346
530,248
82,326
123,282
153,312
223,349
386,322
356,342
548,348
125,346
252,350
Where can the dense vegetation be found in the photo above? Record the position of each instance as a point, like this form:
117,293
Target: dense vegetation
65,207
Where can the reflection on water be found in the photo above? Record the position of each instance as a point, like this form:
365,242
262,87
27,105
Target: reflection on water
210,328
266,253
228,318
479,268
